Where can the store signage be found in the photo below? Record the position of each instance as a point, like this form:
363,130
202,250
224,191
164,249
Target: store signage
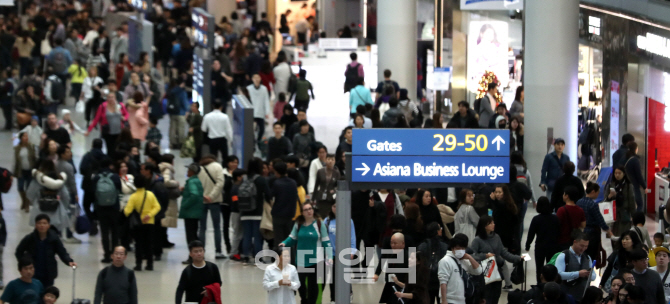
654,44
614,117
441,79
141,5
594,25
432,156
491,4
202,25
202,77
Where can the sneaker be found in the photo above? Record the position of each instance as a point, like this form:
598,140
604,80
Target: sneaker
247,261
236,258
220,256
72,240
351,298
106,260
508,288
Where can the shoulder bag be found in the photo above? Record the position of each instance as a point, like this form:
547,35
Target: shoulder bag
135,218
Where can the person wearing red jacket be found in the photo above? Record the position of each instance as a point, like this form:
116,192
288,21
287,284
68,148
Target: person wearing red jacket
112,117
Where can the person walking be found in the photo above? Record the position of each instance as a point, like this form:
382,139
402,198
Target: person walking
326,186
452,286
302,91
251,218
26,288
194,120
156,184
111,116
353,73
285,193
570,216
621,191
219,130
466,218
281,279
42,245
49,196
231,164
198,277
620,258
279,145
91,92
116,283
574,266
648,279
634,173
516,110
260,99
282,73
24,160
619,157
546,227
552,167
192,207
594,220
359,96
107,206
145,203
308,234
488,244
662,256
138,116
567,179
487,105
178,105
211,177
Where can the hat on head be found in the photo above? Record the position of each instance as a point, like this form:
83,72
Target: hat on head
64,111
194,167
559,141
661,249
35,117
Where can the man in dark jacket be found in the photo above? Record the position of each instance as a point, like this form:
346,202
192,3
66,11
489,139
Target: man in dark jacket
619,157
285,193
108,215
147,170
552,167
548,274
42,245
521,194
567,179
465,118
392,115
89,166
116,283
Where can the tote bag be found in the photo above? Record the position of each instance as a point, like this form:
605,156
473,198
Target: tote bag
491,271
607,211
266,222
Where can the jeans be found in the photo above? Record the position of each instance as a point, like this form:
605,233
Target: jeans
219,144
225,212
215,211
252,230
24,180
191,226
177,129
238,232
109,219
143,244
260,123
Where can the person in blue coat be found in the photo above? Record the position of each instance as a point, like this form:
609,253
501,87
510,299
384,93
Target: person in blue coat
634,173
331,225
552,167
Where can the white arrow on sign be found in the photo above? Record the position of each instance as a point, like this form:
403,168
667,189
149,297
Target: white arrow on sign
498,140
365,169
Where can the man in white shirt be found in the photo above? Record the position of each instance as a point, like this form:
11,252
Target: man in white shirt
451,267
260,99
219,130
662,257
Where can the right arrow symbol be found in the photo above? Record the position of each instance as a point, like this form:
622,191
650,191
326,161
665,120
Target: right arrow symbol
498,140
365,169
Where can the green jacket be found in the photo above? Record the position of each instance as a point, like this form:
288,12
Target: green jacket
192,205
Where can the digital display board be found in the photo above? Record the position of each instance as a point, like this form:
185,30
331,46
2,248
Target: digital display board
202,79
202,28
141,5
430,156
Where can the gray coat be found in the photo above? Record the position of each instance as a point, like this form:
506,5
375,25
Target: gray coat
59,218
492,244
485,112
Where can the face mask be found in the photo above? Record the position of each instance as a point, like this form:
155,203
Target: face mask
459,253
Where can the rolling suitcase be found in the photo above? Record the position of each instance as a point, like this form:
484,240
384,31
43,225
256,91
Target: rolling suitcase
75,300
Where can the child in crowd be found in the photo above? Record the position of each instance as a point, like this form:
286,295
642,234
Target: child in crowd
235,224
68,124
154,135
639,219
34,131
659,240
51,294
278,110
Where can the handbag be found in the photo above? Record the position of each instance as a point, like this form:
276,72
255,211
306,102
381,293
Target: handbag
23,119
607,211
266,222
491,271
49,200
135,218
188,148
518,276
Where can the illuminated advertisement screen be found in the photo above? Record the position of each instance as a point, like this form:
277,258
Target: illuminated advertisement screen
202,83
202,25
487,52
141,5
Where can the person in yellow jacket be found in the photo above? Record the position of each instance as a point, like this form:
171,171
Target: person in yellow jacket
146,204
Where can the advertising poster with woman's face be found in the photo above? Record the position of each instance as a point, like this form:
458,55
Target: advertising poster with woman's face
487,51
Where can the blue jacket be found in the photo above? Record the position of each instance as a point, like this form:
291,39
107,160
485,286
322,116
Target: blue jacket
552,169
359,95
180,94
331,226
66,54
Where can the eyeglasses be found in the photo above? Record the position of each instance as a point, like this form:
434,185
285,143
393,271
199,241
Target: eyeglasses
308,209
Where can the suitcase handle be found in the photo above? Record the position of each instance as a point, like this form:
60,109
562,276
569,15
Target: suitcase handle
74,272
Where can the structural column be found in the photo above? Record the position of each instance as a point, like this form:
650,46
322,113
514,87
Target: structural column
551,83
396,41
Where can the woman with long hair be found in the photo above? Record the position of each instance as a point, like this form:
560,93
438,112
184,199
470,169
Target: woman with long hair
516,110
24,161
434,246
281,280
634,173
523,174
413,231
138,115
49,150
308,235
505,211
516,135
48,195
24,45
619,260
90,89
127,189
593,295
238,59
466,218
267,76
123,66
438,121
488,244
621,190
429,211
375,116
112,117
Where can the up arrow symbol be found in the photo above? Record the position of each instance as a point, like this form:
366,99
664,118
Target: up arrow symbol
498,140
365,169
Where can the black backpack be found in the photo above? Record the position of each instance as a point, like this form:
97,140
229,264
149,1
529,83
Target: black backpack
478,105
470,284
173,104
351,77
57,89
48,201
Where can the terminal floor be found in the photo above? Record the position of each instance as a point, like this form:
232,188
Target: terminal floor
240,284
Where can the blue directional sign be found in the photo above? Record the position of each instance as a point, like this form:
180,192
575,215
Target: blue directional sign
446,156
436,142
